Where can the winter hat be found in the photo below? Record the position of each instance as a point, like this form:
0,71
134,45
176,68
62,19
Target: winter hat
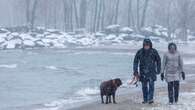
147,42
172,45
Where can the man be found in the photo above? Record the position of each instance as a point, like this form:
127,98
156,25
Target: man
148,61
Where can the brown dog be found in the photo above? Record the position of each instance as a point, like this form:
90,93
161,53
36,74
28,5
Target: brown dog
108,89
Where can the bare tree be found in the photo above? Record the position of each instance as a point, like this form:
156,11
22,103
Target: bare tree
130,14
184,17
103,14
116,12
76,13
33,13
144,13
83,13
138,15
27,12
95,16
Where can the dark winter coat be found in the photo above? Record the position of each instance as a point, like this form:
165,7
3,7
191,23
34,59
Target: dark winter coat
149,63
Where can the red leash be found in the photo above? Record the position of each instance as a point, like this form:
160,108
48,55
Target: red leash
134,81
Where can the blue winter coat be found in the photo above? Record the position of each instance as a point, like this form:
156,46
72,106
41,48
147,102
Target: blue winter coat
149,64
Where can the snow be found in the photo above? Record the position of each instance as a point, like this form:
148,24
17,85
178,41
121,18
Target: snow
28,43
15,34
186,102
113,35
2,40
110,37
40,43
12,43
113,26
10,66
52,36
99,34
149,29
127,30
56,44
189,61
86,41
27,36
3,35
9,37
3,30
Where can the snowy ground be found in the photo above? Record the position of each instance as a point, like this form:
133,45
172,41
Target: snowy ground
132,101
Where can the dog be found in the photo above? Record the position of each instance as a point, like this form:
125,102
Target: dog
108,89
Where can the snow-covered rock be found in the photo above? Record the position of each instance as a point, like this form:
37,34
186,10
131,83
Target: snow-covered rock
15,43
99,35
86,41
39,43
28,43
116,26
126,30
112,35
3,30
138,37
57,44
112,29
2,40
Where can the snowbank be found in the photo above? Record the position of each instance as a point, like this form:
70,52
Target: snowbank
52,38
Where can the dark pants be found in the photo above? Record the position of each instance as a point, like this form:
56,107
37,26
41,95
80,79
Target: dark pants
173,91
148,90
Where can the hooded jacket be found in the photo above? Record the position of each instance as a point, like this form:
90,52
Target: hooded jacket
148,62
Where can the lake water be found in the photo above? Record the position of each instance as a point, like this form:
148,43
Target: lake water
49,79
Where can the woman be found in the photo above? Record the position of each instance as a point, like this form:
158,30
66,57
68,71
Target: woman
172,71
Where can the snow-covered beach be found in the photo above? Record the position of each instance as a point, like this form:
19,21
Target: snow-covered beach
54,54
59,54
84,92
131,99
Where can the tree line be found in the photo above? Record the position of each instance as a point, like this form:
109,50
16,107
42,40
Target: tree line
95,15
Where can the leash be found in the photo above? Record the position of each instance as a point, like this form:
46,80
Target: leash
134,81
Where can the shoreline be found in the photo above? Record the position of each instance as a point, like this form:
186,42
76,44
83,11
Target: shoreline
132,100
113,48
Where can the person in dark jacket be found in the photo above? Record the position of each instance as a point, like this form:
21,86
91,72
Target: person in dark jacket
148,61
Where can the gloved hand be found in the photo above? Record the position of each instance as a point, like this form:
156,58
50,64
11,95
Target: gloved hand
135,74
183,75
162,76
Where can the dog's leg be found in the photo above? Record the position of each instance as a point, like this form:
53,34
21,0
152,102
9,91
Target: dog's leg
107,99
113,96
110,99
102,98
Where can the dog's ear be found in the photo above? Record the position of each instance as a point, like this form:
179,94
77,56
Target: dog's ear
118,82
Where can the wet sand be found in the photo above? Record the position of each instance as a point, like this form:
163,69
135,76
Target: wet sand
132,101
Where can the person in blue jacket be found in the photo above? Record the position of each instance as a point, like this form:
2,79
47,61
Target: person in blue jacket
148,61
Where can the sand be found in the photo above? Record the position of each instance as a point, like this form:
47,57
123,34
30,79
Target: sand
132,101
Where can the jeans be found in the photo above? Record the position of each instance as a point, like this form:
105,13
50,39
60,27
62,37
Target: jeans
173,91
148,90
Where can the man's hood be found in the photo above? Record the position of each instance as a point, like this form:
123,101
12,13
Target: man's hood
148,42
